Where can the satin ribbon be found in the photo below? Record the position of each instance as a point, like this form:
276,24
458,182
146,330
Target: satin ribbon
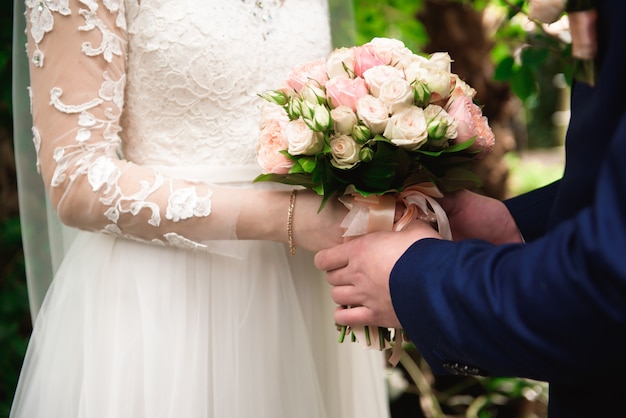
377,213
368,214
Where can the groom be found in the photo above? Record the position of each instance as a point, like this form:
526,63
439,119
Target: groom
551,308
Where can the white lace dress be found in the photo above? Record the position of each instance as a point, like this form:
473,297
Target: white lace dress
145,120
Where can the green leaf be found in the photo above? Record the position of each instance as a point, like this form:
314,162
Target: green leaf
523,83
505,69
308,164
534,57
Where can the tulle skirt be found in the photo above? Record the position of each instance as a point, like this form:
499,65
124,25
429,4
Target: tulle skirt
131,330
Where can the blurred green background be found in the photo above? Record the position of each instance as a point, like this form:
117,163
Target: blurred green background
521,74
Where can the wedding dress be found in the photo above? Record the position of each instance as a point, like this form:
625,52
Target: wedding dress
146,317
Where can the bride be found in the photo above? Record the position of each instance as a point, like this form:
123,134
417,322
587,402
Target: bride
179,296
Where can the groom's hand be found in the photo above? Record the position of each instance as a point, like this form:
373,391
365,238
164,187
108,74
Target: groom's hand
359,272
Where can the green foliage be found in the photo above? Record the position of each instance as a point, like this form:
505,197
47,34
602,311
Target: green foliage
6,37
14,317
529,174
390,19
528,57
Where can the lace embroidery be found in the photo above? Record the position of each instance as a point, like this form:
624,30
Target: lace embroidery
184,103
42,22
37,143
185,203
182,242
97,160
111,44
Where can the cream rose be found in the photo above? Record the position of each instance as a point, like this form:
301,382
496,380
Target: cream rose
344,119
305,73
313,93
302,140
345,151
461,87
396,94
271,113
407,128
440,125
441,61
389,50
271,141
340,60
322,119
438,81
375,77
373,112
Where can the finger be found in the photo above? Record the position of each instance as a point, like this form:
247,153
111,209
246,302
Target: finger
331,258
340,277
358,315
345,296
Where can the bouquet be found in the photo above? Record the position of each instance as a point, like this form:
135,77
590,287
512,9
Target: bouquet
376,125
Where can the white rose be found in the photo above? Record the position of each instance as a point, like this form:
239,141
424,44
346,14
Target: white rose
338,61
303,140
377,76
396,94
546,11
438,81
441,60
321,118
462,87
407,128
390,47
409,60
344,119
440,124
373,112
313,93
345,151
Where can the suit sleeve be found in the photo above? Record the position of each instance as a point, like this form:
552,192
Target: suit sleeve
529,210
531,310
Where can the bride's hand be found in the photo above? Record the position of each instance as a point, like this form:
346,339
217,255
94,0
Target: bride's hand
315,229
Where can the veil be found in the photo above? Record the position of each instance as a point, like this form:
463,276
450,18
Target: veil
342,22
44,238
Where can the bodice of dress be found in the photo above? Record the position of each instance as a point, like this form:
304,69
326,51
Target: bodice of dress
195,69
122,88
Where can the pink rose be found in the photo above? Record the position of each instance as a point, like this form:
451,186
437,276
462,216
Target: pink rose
380,51
305,73
366,57
272,140
471,123
345,91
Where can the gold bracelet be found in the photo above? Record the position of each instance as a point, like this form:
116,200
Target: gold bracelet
292,203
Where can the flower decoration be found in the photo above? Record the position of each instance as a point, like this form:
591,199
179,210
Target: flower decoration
374,118
378,126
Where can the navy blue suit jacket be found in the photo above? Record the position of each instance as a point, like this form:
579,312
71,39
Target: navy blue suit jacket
553,309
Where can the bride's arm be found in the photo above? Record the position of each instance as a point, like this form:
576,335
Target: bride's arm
77,52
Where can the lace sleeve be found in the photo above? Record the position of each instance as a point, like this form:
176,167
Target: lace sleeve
77,51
